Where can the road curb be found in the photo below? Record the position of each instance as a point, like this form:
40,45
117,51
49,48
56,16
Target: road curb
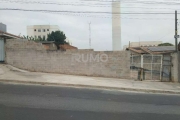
92,87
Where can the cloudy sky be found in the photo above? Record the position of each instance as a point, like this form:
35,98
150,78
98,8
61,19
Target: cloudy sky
135,27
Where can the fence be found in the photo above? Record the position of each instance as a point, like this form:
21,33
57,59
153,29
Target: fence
151,64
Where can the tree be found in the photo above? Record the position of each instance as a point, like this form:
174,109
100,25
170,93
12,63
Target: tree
34,39
166,44
58,37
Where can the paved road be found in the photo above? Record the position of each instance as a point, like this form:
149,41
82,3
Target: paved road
28,102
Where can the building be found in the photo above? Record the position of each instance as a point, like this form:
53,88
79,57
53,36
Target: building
66,47
3,37
49,45
42,31
3,27
142,44
116,26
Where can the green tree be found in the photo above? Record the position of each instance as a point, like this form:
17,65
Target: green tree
58,37
34,39
166,44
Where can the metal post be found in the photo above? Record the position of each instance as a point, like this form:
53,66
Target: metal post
151,66
142,61
131,64
161,68
142,66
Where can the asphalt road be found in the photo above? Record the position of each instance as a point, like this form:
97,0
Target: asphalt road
31,102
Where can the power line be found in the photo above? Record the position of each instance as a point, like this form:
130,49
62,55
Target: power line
99,2
100,16
82,3
166,35
89,12
133,1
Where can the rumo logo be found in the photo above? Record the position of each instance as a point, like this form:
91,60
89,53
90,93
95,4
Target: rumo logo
89,58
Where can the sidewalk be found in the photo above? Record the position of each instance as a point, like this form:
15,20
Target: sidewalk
13,75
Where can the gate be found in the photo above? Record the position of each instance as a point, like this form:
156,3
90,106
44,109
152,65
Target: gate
151,64
166,70
2,54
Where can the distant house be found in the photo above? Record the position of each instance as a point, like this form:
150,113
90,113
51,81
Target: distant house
142,44
49,45
5,35
67,47
152,50
152,63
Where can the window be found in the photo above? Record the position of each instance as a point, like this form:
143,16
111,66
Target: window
47,29
44,30
35,36
39,36
35,30
39,30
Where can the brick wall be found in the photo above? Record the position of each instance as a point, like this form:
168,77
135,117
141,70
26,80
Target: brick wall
33,57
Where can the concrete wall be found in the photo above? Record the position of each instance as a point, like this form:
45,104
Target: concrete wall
33,57
174,68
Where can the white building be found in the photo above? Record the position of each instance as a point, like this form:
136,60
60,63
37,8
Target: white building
116,26
41,30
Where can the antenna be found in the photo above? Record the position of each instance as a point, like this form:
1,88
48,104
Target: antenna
89,35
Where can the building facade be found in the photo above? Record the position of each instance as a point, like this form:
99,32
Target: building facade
3,27
42,31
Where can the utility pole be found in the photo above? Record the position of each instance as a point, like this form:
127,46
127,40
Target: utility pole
176,32
176,44
90,35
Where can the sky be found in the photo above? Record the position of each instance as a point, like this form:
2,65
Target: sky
134,27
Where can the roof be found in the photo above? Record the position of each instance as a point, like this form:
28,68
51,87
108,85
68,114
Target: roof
8,35
67,47
162,48
152,50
